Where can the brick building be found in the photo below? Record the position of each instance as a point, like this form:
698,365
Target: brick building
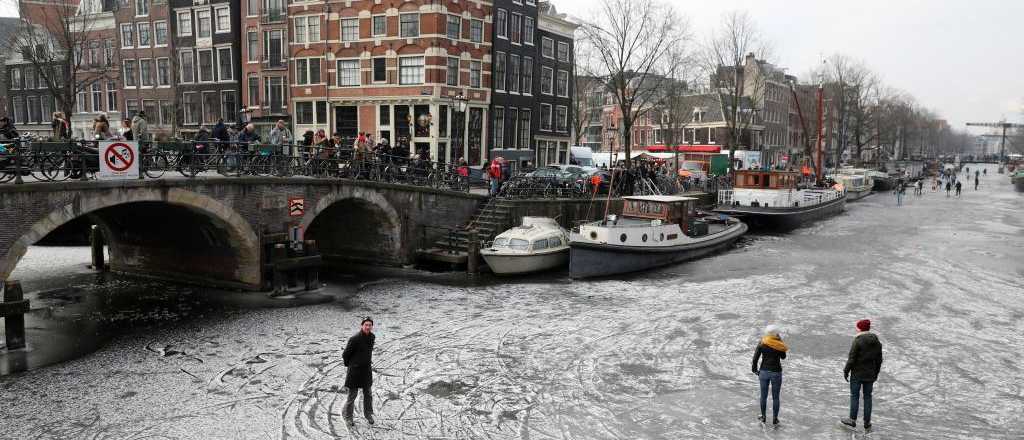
264,60
98,77
206,41
147,58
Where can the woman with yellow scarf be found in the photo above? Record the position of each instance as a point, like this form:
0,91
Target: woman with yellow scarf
770,350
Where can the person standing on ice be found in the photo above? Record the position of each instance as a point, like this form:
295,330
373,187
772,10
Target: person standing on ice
770,350
861,371
358,357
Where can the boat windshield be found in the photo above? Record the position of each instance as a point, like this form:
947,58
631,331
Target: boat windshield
518,244
540,244
500,242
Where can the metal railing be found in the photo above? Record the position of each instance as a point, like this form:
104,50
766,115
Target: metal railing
23,161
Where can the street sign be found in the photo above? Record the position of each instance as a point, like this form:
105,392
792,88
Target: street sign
295,237
118,160
296,206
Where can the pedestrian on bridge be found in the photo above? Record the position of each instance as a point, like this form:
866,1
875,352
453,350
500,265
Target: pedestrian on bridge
770,350
863,364
358,357
281,138
140,128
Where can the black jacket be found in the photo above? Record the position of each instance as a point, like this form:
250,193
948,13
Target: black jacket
358,357
865,359
771,359
220,132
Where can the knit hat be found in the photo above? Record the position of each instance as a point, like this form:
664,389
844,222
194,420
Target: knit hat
772,330
864,325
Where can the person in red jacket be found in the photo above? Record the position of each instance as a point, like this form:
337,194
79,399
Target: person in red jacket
494,172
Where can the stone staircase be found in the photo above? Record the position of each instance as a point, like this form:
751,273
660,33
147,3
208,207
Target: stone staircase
493,218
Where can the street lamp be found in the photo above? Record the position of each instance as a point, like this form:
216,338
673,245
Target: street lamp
458,104
612,134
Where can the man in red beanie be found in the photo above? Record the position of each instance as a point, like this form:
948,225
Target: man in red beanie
861,371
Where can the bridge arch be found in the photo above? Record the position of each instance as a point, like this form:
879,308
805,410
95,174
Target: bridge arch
133,248
356,223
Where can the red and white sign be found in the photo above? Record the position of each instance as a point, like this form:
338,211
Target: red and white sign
118,160
296,206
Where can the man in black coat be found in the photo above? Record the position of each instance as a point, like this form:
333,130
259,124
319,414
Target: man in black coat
358,357
862,367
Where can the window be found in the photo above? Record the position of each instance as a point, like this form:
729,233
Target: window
545,117
476,31
307,71
380,25
409,25
516,34
384,115
410,69
454,27
225,65
97,97
304,113
349,29
563,51
228,103
273,48
130,78
499,71
474,74
185,24
307,29
452,76
16,78
442,125
111,96
513,74
47,105
562,118
21,113
513,125
131,108
348,72
161,33
546,80
501,23
524,128
166,112
34,109
150,106
141,8
563,84
253,46
127,35
252,8
527,76
144,36
205,65
30,78
547,47
274,93
499,128
204,24
108,52
146,72
254,90
528,30
188,74
223,20
211,107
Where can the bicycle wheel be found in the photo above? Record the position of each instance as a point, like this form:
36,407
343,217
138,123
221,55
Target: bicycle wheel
55,167
155,165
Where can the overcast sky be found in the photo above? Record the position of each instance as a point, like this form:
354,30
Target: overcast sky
961,58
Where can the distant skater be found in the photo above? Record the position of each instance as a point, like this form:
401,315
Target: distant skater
900,190
958,186
770,350
975,183
358,357
861,371
920,187
949,187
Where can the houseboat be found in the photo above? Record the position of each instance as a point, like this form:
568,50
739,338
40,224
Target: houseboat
857,182
779,200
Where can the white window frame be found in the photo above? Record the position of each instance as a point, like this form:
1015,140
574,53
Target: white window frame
550,120
338,70
199,66
448,71
558,51
167,33
307,81
167,62
533,30
148,62
145,4
373,25
476,74
149,31
134,76
252,56
341,33
422,73
95,89
498,80
131,34
513,28
216,20
199,22
527,87
448,26
181,66
186,111
418,22
111,96
231,67
564,121
373,70
543,43
472,24
185,31
501,30
558,82
550,85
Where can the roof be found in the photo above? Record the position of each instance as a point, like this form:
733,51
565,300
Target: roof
8,26
661,199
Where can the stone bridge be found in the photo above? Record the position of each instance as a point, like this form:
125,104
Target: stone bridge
213,231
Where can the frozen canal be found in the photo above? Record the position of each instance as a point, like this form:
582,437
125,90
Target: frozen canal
662,355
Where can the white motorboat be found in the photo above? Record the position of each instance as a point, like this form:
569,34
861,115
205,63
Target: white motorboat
857,182
538,244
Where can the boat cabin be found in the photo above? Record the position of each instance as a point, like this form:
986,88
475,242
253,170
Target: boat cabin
668,209
758,179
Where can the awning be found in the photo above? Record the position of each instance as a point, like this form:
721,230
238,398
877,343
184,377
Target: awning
686,148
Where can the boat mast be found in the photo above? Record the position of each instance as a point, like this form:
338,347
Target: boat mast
821,129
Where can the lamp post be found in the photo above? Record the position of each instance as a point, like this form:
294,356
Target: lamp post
458,105
612,134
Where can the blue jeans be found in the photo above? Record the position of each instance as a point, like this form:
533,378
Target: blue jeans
775,380
856,386
494,186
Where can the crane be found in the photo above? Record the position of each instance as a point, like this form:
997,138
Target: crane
1002,142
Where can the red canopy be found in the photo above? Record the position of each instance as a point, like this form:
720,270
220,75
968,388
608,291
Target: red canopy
685,148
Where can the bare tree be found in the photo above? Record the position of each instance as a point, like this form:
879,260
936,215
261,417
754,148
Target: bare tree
854,87
724,56
583,86
630,41
60,39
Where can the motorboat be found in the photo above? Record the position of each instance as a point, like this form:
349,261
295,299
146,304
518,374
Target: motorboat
651,231
857,182
1017,179
538,244
780,200
881,181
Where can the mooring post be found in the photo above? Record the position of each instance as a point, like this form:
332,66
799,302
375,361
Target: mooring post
279,253
13,311
96,243
473,253
312,273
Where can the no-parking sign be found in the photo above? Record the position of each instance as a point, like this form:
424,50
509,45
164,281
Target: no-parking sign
118,160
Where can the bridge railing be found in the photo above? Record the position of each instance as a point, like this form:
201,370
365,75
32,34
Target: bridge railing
23,161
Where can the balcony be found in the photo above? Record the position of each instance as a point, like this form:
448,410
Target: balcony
276,15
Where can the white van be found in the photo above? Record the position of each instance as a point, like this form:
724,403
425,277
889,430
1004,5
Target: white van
582,156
